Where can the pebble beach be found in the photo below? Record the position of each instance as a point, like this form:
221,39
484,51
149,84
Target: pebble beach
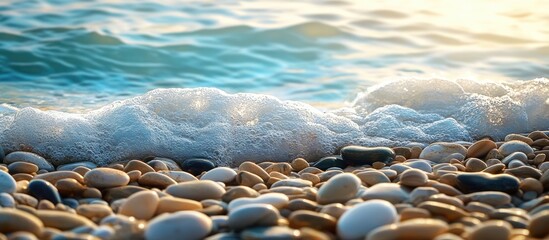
447,190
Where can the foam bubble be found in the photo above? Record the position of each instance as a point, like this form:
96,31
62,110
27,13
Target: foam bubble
231,128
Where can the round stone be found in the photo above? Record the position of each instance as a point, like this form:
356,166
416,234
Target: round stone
299,164
255,169
538,225
196,190
358,155
359,221
184,224
22,167
220,174
371,178
390,192
196,166
277,200
41,189
256,214
155,179
248,179
30,158
493,229
6,200
515,146
329,162
94,212
280,167
238,192
106,178
479,182
413,178
141,205
13,220
475,165
53,177
411,229
171,204
339,189
311,219
441,152
480,148
7,183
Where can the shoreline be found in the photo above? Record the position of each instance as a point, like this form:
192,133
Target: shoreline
442,191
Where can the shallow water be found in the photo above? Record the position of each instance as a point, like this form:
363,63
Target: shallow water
75,76
78,55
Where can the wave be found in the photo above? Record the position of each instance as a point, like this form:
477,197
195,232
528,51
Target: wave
231,128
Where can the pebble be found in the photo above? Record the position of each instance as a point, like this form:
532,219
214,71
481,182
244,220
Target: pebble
220,174
447,211
359,155
299,164
180,176
106,178
184,224
440,152
391,192
413,178
7,183
475,165
6,200
238,192
493,229
412,229
480,148
515,146
305,218
171,204
490,197
141,205
518,137
300,183
138,165
41,189
339,189
413,213
196,166
371,178
478,182
196,190
253,168
22,167
73,166
281,167
524,172
13,220
29,157
62,220
419,164
155,179
358,221
53,177
94,212
329,162
248,179
271,233
277,200
255,214
538,225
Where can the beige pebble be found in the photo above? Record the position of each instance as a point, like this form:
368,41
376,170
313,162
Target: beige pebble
296,182
141,205
155,179
248,179
524,172
493,229
69,186
21,236
278,175
302,204
443,198
106,178
447,211
519,137
220,174
171,204
25,199
305,218
62,220
134,175
413,213
334,209
490,197
13,220
180,176
325,176
92,193
22,167
187,225
312,170
94,212
413,178
45,205
255,169
81,170
239,192
480,148
371,178
20,156
284,168
475,165
196,190
278,200
138,165
53,177
540,158
538,225
256,214
313,178
535,135
299,164
339,189
412,229
531,184
22,177
378,165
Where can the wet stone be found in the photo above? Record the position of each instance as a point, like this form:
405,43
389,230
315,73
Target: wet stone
358,155
41,189
7,183
106,178
480,148
339,189
257,214
30,158
441,152
478,182
196,166
515,146
329,162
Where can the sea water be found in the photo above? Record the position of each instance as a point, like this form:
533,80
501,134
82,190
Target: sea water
257,80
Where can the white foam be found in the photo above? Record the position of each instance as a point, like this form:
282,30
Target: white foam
231,128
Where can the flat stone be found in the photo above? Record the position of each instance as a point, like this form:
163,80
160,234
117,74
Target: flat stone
220,174
493,229
515,146
480,148
296,182
239,192
171,164
281,167
30,158
358,221
13,220
479,182
359,155
538,225
155,179
339,189
138,165
180,176
475,165
22,167
255,214
171,204
184,224
271,233
196,190
7,183
113,194
196,166
413,178
277,200
255,169
55,176
329,162
94,212
420,164
391,192
311,219
41,189
371,178
411,229
490,197
524,172
440,152
248,179
447,211
141,205
72,166
106,178
62,220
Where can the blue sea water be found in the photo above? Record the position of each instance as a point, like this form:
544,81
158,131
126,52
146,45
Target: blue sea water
107,80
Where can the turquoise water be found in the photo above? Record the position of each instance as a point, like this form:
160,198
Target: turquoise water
79,55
